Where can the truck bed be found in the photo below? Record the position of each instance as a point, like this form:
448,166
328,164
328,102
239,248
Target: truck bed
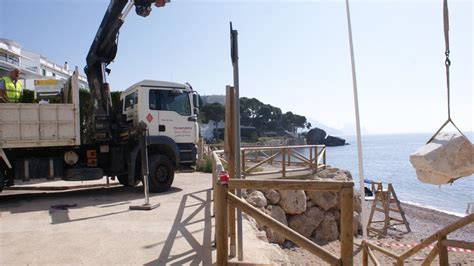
24,125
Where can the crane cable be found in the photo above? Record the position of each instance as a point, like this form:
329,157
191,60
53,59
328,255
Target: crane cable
447,63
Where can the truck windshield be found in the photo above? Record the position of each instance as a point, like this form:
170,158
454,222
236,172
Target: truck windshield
166,100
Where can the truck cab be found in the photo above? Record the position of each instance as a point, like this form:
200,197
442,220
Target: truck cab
169,109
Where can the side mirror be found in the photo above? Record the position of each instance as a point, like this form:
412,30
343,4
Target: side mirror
196,100
196,111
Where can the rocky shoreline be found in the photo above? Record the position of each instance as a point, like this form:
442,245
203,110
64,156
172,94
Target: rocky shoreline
423,223
316,216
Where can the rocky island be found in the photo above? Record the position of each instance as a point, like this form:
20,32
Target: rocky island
317,136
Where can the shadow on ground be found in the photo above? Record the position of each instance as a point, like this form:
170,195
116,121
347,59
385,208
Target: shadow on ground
198,254
102,197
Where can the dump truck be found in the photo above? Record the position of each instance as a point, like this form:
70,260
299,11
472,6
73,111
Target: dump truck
49,141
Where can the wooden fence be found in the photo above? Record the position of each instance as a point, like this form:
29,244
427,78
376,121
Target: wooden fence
225,200
287,159
440,249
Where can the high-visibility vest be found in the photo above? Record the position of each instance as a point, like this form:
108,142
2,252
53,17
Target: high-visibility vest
12,89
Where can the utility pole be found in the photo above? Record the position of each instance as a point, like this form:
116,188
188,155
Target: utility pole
234,52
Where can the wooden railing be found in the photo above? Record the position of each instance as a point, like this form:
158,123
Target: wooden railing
225,202
440,249
282,159
302,157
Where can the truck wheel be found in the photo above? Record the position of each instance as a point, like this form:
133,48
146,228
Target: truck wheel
161,173
2,179
123,180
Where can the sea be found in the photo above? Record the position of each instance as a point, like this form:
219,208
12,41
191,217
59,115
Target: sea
386,158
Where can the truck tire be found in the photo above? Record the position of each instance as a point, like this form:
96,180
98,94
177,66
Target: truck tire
161,173
123,180
3,179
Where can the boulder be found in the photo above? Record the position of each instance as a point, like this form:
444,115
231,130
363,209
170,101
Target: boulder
356,224
319,136
345,173
327,231
357,203
273,197
257,199
336,213
332,141
334,173
324,199
315,136
293,201
306,223
445,158
325,174
277,213
309,204
246,192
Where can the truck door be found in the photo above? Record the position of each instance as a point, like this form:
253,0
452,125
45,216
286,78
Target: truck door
171,108
130,107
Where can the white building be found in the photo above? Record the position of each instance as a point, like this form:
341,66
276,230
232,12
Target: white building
32,66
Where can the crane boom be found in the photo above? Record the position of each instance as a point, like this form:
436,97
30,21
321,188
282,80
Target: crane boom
101,53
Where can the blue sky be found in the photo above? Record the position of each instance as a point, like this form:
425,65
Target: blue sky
293,54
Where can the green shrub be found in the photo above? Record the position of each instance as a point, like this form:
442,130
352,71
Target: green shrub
206,165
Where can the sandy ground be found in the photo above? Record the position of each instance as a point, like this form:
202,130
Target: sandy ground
101,229
423,223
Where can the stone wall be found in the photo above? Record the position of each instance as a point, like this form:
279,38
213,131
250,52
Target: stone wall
315,215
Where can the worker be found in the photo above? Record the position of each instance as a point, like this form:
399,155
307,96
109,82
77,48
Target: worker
10,87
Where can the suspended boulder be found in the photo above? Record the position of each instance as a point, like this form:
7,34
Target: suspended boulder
444,159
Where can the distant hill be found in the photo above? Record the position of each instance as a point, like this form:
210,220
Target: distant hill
328,129
208,99
347,130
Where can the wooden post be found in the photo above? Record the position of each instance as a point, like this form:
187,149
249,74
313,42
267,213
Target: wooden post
324,157
386,209
221,224
443,251
213,181
400,262
431,256
316,157
243,163
229,150
283,162
289,156
311,166
347,237
365,254
399,207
